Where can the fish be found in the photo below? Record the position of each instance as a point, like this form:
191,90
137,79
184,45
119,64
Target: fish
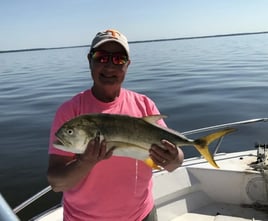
128,136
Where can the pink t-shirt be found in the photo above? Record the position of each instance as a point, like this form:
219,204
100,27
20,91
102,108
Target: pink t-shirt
118,188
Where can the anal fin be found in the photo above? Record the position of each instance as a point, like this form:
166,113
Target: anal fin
149,162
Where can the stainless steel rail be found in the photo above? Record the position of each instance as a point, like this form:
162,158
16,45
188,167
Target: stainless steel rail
32,199
237,123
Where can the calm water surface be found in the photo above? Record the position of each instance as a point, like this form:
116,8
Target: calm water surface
197,83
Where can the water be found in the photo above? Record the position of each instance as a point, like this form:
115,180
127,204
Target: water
197,83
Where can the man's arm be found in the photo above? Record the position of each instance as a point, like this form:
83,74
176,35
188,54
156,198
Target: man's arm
65,172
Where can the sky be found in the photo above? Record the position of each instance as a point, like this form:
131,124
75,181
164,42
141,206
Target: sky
27,24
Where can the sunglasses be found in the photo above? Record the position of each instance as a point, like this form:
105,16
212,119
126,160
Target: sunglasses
103,57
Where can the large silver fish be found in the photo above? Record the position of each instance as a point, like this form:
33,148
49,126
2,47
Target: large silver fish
130,136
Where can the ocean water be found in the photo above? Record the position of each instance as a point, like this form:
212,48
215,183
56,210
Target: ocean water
196,83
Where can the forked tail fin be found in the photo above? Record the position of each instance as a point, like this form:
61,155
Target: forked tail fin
202,144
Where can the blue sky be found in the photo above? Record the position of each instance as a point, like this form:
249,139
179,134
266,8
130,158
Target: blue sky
56,23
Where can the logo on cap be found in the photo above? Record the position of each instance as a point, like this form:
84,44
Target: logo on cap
113,32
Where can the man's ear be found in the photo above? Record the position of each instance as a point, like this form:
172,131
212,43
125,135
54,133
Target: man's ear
88,57
89,60
129,61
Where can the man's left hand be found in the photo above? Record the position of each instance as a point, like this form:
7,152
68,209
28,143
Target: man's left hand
169,158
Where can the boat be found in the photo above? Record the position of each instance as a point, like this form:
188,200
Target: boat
237,191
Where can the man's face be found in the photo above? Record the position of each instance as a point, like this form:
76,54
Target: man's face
107,75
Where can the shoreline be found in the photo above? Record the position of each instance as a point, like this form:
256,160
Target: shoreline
141,41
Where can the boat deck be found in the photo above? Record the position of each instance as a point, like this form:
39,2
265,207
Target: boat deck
223,211
199,192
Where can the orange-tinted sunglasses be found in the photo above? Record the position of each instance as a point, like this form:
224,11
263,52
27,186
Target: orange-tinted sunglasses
103,57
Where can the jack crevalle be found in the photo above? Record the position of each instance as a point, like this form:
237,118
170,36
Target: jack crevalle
129,136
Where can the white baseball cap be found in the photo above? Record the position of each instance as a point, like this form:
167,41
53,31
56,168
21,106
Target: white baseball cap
108,36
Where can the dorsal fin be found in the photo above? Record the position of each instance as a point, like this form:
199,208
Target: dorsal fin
152,119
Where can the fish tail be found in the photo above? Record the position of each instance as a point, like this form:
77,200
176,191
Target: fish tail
202,144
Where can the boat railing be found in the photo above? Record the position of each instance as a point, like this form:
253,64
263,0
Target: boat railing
220,126
32,199
204,129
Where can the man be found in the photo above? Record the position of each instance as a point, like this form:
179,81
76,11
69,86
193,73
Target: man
95,184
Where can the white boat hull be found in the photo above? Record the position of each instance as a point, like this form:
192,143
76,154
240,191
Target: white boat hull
197,191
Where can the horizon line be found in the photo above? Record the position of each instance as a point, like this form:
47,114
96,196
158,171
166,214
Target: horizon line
140,41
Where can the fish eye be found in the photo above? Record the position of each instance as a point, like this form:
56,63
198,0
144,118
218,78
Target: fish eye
70,131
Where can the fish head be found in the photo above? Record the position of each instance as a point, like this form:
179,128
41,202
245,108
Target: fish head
74,135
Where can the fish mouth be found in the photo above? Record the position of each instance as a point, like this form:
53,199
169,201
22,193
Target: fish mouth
62,142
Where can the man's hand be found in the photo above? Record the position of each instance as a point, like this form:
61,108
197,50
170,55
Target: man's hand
169,158
96,151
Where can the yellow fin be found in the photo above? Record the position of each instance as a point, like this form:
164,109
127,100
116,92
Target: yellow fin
202,144
149,162
152,119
